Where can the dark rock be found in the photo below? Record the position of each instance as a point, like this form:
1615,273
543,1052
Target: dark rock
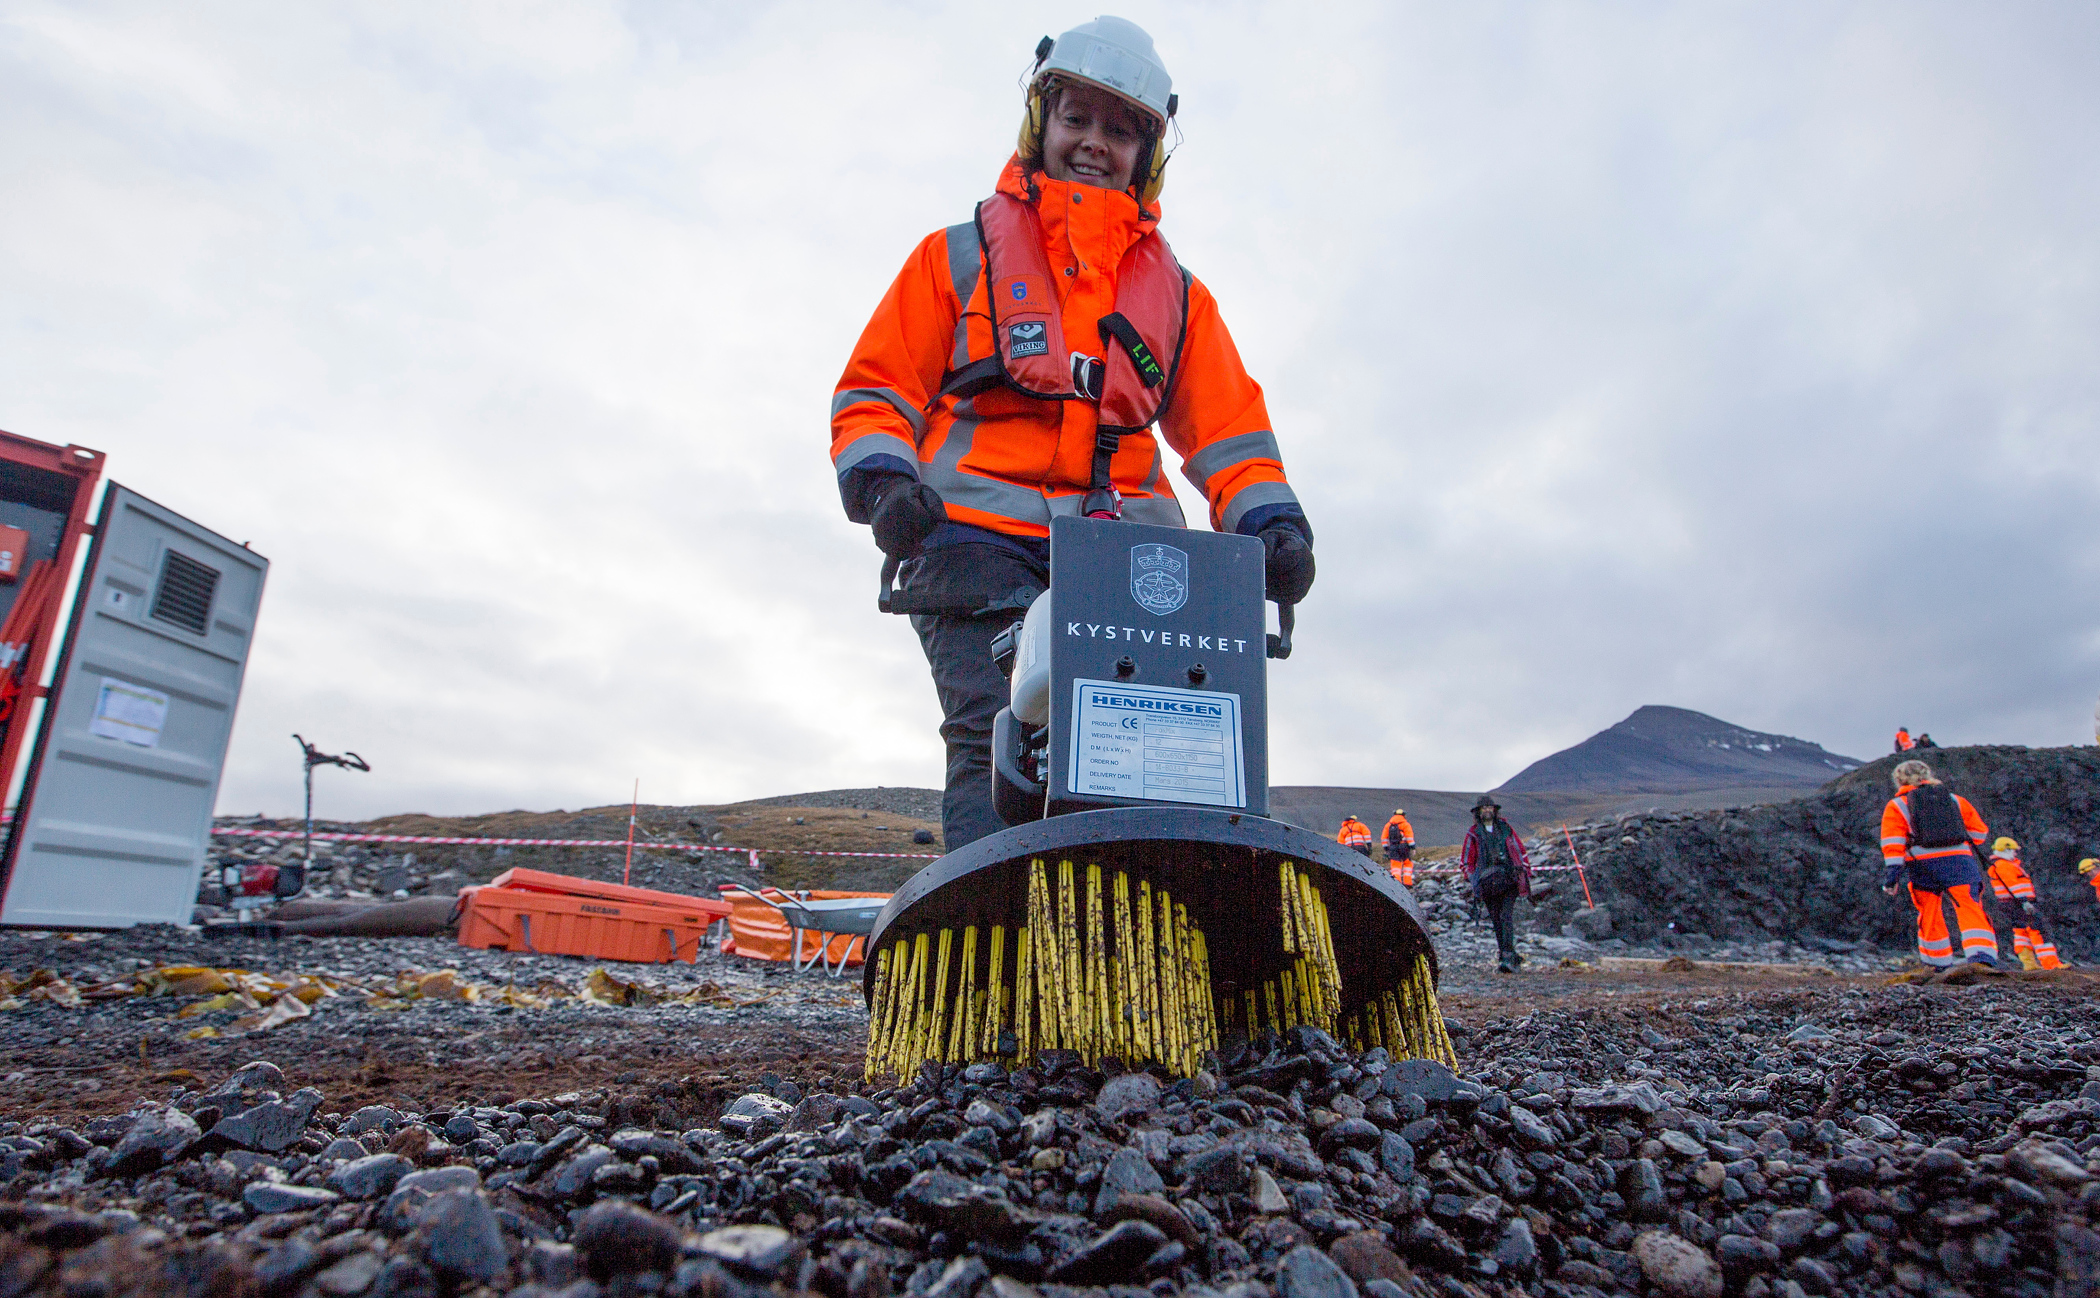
1425,1078
1127,1172
1153,1208
404,1277
1812,1275
949,1203
574,1176
461,1128
960,1279
1428,1243
1789,1229
1130,1093
1532,1131
461,1238
288,1263
369,1177
1223,1170
1676,1266
61,1229
761,1251
615,1238
756,1114
1642,1186
672,1156
1114,1256
815,1112
157,1138
1364,1257
1349,1133
1516,1250
276,1196
270,1127
1396,1157
1744,1255
1306,1272
372,1117
247,1085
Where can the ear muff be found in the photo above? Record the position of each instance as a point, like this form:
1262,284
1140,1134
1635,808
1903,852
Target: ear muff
1152,172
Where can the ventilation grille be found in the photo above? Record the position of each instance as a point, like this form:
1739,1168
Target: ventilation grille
183,597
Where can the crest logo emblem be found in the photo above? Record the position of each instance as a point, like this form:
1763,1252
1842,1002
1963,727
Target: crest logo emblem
1020,290
1027,338
1159,578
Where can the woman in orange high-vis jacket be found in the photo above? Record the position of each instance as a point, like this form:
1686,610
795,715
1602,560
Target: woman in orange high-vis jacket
1928,839
1027,364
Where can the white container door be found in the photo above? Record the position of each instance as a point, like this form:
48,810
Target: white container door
116,814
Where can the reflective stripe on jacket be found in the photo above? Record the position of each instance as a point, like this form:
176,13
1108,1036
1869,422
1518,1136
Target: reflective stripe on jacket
1354,833
1009,462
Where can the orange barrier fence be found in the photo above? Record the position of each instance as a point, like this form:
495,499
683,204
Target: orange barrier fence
757,930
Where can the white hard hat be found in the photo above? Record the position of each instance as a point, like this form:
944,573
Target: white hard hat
1116,55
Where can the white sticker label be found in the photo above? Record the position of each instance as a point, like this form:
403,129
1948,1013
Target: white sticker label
1157,743
129,712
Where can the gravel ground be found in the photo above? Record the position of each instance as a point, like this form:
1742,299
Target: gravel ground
1695,1133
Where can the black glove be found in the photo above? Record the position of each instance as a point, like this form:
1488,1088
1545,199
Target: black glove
905,514
1287,563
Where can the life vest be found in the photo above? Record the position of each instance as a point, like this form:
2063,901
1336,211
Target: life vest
1133,378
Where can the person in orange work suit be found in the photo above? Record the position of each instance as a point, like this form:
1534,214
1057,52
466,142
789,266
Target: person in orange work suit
1904,743
1354,835
1400,847
2009,882
1028,363
1929,835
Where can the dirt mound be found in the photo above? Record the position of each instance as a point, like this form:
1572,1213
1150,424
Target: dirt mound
1811,869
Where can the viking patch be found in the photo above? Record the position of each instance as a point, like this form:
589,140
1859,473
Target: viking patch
1159,578
1027,338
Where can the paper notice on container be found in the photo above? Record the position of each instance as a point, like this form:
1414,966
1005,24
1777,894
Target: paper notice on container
1157,743
129,712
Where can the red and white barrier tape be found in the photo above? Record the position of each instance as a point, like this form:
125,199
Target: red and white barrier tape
337,837
332,836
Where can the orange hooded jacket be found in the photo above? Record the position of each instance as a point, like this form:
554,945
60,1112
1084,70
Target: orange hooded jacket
2009,880
1009,463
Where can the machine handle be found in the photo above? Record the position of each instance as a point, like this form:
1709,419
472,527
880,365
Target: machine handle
1286,619
890,563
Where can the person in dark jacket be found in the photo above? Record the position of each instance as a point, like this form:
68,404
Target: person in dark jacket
1494,862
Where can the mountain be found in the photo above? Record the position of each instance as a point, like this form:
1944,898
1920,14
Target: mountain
1661,750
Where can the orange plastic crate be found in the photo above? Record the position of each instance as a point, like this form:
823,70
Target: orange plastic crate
547,923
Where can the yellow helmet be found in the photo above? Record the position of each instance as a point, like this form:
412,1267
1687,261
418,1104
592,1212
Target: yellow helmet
2004,847
2088,865
1117,56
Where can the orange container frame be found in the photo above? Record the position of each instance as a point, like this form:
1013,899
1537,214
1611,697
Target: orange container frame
527,920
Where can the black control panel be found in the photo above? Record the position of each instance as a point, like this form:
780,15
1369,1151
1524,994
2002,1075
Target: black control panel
1158,669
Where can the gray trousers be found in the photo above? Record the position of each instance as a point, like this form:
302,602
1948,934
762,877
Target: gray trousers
959,649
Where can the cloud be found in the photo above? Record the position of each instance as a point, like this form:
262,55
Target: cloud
1733,358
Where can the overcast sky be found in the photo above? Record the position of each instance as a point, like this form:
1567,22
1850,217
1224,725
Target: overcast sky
1742,358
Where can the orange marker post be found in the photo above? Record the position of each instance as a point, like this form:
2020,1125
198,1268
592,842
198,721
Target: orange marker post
1579,873
634,809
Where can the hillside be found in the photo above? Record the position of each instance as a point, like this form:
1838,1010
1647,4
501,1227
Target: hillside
1676,751
1811,868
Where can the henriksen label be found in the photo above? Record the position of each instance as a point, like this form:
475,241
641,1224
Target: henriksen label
1157,743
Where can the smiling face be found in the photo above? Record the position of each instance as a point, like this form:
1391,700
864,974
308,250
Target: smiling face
1092,138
